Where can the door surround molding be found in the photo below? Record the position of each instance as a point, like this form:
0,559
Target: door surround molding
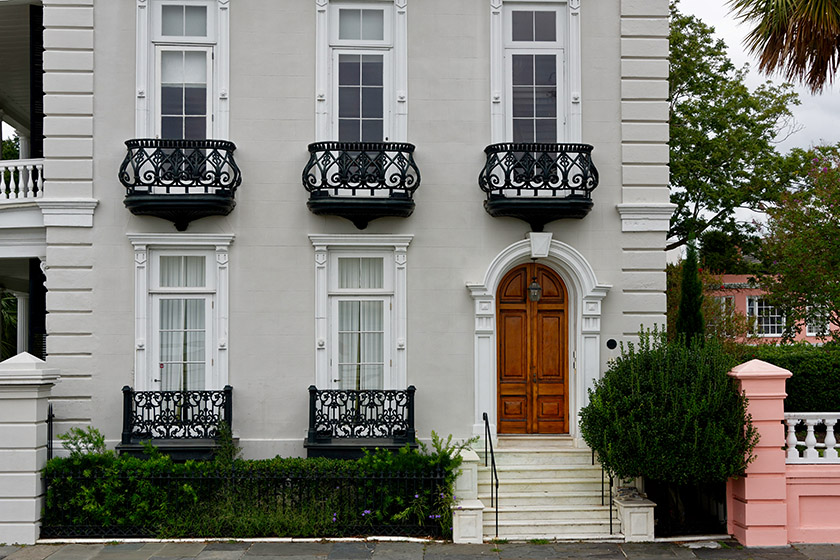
585,294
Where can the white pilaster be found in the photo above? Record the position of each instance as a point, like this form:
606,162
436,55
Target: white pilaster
22,322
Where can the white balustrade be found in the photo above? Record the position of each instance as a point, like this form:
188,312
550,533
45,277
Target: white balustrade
21,179
810,449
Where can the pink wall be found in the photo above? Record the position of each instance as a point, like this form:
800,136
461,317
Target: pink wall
775,504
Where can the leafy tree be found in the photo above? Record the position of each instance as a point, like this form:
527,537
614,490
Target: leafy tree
722,152
670,413
802,246
10,148
8,325
724,253
798,38
689,315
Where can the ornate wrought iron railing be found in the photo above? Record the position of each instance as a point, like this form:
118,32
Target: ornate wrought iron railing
163,166
370,169
175,414
538,170
342,414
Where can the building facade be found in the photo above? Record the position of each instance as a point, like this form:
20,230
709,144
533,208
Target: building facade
315,254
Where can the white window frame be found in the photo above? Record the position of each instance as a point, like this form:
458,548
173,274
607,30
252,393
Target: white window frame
159,49
814,330
395,72
149,40
148,248
752,315
328,248
568,88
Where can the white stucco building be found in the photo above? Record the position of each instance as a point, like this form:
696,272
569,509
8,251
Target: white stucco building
560,107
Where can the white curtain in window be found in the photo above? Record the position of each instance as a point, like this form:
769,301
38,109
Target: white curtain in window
182,271
361,352
182,344
360,273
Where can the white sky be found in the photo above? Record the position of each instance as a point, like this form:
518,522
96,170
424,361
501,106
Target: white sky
818,115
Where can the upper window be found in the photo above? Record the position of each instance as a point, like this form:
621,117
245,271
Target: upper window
766,320
182,70
362,78
539,95
817,324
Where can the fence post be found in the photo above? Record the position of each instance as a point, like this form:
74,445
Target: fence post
411,433
128,395
757,502
229,407
25,386
313,392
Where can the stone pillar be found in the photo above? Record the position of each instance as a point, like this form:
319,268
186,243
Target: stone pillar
468,511
756,503
25,385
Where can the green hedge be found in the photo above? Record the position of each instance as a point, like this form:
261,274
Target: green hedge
815,382
100,494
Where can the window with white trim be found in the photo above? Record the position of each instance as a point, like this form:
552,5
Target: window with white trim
360,311
182,69
181,317
765,319
817,323
535,81
361,75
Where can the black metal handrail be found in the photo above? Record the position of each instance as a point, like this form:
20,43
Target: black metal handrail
494,496
175,414
166,166
602,490
361,168
50,417
547,170
350,413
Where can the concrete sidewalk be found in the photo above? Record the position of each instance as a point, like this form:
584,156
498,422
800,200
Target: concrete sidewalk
724,550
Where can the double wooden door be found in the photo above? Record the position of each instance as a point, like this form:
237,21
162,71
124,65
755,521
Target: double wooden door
533,353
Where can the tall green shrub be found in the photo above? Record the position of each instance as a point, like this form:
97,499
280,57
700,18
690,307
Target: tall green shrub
690,316
670,412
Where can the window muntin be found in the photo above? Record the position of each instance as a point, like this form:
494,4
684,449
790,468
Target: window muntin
766,320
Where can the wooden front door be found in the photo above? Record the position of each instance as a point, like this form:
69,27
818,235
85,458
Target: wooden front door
533,353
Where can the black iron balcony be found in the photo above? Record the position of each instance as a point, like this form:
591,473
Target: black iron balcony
361,181
184,424
343,422
180,180
538,183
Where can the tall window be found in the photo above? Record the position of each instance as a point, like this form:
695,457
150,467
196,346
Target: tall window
361,75
182,69
766,320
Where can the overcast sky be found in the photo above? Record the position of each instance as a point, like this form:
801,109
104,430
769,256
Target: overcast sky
818,115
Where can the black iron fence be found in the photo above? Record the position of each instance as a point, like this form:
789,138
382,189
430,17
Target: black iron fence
370,169
175,414
162,166
243,502
345,413
539,170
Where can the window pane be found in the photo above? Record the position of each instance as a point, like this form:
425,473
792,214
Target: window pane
178,271
194,318
195,349
546,102
172,23
348,130
372,70
523,26
172,67
545,70
195,101
195,67
171,346
523,130
171,376
546,130
372,131
196,21
195,377
349,24
348,102
372,377
544,26
195,128
372,102
348,348
373,26
523,69
360,272
172,127
348,69
370,316
171,100
523,102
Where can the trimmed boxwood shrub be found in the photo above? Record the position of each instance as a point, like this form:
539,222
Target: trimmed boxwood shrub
815,382
671,413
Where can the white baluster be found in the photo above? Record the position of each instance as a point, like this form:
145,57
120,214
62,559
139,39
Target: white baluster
40,168
811,441
30,171
830,440
792,451
3,193
13,192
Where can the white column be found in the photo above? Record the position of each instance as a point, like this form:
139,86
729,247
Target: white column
22,322
25,385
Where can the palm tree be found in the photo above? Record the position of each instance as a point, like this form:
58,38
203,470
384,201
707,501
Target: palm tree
798,38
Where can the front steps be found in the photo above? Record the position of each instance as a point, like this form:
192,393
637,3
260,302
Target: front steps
547,490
